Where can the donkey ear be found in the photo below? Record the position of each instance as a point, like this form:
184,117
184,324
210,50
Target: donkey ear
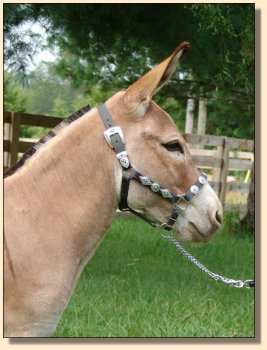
139,94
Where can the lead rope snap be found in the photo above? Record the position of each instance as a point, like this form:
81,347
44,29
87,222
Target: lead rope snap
228,281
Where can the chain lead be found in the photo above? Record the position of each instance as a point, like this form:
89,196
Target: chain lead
228,281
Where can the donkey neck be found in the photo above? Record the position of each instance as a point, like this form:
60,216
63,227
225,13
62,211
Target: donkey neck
63,200
71,178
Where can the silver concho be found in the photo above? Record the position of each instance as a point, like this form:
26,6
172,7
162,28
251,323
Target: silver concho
165,193
123,159
145,180
124,162
194,189
155,187
202,180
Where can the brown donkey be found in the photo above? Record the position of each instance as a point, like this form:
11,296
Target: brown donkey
61,198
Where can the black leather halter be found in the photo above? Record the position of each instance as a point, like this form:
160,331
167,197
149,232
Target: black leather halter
115,139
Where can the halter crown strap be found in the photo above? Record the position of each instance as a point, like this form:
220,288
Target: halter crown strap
114,137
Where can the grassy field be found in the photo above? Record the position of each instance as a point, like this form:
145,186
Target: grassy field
139,285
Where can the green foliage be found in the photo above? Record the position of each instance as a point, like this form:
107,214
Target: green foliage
120,36
232,223
52,95
230,119
227,31
138,285
175,108
33,132
15,98
105,47
45,89
241,229
59,108
48,94
21,43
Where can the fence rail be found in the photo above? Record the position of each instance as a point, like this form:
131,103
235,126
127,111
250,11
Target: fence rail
217,155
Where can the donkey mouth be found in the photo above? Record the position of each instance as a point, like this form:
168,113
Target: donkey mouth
200,235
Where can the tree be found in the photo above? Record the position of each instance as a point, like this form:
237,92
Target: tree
59,108
113,44
248,222
202,116
15,99
118,37
190,107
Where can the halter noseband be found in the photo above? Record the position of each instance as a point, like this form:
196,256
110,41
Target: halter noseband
115,139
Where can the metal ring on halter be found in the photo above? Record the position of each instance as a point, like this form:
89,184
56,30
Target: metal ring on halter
167,235
178,207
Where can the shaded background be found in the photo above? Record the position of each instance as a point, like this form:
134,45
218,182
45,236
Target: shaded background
97,49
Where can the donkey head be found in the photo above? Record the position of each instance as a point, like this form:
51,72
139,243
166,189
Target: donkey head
157,149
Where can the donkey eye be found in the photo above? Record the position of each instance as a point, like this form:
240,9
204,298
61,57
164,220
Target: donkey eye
173,147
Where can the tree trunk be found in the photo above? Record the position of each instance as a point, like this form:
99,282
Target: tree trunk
202,116
248,222
189,121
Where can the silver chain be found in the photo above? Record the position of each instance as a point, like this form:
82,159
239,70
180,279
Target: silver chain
228,281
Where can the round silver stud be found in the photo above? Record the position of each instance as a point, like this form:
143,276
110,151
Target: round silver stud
202,179
155,187
194,189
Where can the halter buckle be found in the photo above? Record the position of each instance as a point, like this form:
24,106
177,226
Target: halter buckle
112,131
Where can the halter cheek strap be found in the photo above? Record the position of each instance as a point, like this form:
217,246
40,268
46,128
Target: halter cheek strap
115,139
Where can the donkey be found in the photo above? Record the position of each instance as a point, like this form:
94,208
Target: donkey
60,199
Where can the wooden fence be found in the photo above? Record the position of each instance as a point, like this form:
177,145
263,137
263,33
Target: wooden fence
218,155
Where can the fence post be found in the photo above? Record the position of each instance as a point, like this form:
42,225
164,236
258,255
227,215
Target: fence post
6,135
224,170
14,138
216,173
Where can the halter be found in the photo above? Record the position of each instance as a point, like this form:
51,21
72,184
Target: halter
115,139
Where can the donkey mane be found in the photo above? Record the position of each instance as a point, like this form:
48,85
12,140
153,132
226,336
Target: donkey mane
55,131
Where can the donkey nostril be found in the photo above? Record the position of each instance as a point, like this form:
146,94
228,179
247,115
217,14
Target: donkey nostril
218,216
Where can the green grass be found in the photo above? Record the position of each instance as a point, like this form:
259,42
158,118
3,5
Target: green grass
139,285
